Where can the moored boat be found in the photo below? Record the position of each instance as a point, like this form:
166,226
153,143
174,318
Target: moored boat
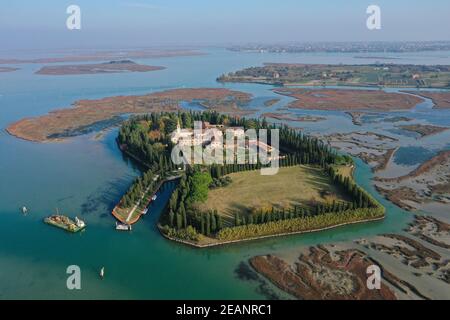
65,223
123,227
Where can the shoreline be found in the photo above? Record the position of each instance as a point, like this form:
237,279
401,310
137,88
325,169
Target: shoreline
162,182
109,55
210,245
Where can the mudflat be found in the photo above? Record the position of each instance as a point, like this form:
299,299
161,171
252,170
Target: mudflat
348,100
106,67
63,123
8,69
321,274
441,100
424,130
428,183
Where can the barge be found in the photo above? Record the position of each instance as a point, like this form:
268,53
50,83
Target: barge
65,223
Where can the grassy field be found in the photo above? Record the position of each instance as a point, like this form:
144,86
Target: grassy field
299,185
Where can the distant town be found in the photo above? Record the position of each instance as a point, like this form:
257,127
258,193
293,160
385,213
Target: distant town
346,47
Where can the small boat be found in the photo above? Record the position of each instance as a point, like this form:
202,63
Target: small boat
123,227
24,210
102,273
154,197
145,211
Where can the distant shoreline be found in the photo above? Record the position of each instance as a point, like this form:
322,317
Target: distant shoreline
106,56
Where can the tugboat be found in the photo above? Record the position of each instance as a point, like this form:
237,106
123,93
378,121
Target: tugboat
65,223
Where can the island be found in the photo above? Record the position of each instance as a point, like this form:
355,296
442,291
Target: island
89,115
373,148
348,99
441,99
120,66
271,102
291,117
323,273
356,117
423,130
220,204
8,69
369,75
105,55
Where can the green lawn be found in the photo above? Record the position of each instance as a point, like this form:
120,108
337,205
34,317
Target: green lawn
299,185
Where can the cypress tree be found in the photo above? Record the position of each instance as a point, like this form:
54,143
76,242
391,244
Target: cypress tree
171,218
213,222
218,220
202,224
208,225
179,221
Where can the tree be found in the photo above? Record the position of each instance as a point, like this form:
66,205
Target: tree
171,218
199,186
213,222
219,221
208,225
237,220
179,222
182,212
202,224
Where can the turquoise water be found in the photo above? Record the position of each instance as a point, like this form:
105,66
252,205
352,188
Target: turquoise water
85,176
412,155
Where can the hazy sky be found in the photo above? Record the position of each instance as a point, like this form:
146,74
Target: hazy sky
42,23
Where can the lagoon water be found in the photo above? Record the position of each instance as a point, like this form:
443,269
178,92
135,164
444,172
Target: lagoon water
86,176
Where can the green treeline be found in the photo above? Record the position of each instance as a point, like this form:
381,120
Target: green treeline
299,224
147,136
192,188
147,182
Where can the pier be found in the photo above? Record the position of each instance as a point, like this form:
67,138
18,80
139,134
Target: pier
132,216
